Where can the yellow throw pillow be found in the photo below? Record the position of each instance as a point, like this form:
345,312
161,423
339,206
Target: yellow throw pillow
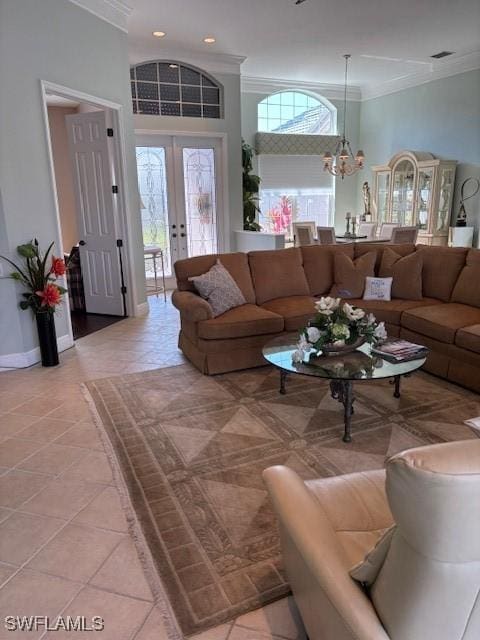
406,272
350,274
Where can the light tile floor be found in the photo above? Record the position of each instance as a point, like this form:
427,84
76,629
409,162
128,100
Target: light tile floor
64,546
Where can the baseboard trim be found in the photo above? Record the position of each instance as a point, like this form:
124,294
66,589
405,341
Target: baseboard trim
26,359
142,309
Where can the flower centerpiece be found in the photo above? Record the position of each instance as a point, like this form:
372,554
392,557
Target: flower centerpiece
43,295
338,327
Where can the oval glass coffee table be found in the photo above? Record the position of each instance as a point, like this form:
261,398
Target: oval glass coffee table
342,371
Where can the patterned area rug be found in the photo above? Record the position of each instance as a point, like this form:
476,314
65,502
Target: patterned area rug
192,448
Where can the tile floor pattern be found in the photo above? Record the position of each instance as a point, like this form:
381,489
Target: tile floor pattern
64,546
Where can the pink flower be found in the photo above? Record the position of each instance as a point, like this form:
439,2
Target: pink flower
50,296
58,267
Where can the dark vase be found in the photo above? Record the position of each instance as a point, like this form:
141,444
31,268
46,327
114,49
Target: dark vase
47,338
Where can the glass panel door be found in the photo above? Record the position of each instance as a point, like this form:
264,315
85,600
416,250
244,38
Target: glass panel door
199,183
424,197
383,187
402,197
179,186
152,188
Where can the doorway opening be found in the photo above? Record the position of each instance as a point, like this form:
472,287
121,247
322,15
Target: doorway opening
180,185
84,170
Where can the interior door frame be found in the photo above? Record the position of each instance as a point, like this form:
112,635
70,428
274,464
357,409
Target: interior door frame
223,216
117,115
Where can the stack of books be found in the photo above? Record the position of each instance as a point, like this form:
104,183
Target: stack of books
400,351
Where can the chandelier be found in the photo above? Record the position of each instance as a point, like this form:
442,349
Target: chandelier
343,162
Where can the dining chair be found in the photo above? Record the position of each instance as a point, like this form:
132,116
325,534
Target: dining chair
386,230
404,235
326,235
303,223
367,229
304,236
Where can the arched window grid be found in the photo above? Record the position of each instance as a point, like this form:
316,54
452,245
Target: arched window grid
171,88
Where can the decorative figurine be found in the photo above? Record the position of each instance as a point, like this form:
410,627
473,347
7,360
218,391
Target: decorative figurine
462,213
366,202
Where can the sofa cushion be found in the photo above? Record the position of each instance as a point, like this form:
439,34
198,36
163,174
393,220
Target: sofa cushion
469,338
441,268
235,263
361,248
406,272
391,311
247,320
467,287
318,264
440,321
296,310
350,275
277,274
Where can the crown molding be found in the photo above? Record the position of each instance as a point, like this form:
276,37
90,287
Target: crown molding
212,62
438,70
269,85
115,12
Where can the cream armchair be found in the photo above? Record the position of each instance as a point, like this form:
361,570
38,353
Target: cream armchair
429,584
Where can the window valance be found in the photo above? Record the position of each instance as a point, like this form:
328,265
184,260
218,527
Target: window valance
294,144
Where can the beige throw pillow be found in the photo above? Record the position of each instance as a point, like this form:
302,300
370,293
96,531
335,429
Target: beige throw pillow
406,272
367,571
350,275
219,289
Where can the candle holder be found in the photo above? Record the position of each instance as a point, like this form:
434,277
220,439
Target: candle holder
354,226
347,232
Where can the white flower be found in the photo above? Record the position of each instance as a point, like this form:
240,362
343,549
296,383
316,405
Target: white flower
303,345
371,319
297,356
380,332
326,306
313,334
353,313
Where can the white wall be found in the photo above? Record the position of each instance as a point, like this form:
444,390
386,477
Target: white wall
346,196
442,117
230,125
53,40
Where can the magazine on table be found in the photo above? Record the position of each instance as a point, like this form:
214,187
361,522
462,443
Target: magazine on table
400,351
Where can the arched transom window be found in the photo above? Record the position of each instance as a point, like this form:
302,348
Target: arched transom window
295,112
168,88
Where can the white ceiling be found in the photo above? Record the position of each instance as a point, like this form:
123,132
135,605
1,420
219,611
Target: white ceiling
388,39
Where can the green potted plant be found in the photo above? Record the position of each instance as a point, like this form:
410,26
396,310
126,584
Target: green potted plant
251,186
43,295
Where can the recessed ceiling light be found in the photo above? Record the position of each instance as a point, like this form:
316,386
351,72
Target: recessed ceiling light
209,40
159,34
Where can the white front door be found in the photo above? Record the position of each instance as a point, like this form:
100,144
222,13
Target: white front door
180,187
96,212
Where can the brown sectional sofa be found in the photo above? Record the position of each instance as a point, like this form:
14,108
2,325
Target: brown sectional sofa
280,288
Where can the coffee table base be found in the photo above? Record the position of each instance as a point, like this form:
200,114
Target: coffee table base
342,390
